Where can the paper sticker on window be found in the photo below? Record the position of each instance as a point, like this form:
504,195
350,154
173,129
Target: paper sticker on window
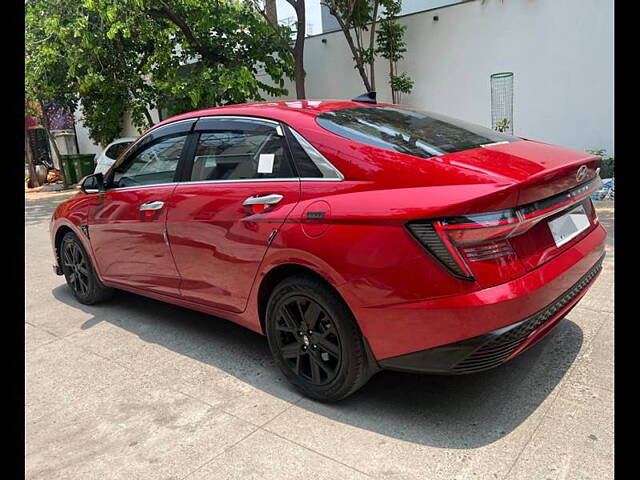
265,163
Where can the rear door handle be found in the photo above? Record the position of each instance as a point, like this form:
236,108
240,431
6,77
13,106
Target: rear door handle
263,200
157,205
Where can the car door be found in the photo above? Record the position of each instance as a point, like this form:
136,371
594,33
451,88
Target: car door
239,188
127,222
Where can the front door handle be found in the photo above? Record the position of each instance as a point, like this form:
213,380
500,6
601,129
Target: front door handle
263,200
157,205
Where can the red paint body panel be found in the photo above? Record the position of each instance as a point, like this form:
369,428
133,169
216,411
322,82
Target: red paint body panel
217,243
128,244
403,299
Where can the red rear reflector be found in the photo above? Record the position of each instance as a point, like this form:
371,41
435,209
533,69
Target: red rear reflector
488,251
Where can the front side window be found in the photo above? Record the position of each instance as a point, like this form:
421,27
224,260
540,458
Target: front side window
240,154
408,131
156,164
114,151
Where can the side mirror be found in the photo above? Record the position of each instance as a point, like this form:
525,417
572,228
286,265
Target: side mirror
92,183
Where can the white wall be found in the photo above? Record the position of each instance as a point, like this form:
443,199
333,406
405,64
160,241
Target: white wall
561,53
86,145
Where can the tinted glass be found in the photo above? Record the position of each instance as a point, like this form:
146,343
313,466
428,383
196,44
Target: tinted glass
304,165
114,151
156,164
240,155
408,131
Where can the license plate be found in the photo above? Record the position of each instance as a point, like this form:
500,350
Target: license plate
569,225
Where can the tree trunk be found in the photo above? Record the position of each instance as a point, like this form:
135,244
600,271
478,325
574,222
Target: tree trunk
147,115
271,11
32,170
298,49
372,34
354,51
52,142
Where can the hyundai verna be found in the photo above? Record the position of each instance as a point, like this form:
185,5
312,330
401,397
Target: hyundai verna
356,236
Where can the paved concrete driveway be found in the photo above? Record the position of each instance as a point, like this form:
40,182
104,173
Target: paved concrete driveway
138,389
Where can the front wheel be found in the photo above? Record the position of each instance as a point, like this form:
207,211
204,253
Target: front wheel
314,339
79,272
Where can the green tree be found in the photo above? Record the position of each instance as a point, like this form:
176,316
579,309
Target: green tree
391,45
359,16
267,8
114,56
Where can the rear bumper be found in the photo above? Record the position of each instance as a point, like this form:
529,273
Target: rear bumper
413,327
496,347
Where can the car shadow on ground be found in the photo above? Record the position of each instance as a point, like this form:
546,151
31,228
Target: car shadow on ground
467,411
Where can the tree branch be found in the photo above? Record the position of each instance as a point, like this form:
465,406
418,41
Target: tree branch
168,14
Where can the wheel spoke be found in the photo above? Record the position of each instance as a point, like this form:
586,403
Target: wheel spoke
84,287
300,312
312,314
327,346
290,351
288,320
327,369
296,369
308,341
315,370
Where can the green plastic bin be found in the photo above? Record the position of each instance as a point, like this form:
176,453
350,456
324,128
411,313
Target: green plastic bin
82,165
68,170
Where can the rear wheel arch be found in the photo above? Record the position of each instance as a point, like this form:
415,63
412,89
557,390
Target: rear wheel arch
278,274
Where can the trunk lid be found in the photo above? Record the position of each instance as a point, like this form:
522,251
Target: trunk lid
540,170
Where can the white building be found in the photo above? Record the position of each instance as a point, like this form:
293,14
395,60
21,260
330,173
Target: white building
560,51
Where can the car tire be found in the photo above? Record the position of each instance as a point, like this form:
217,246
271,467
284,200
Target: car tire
79,272
315,340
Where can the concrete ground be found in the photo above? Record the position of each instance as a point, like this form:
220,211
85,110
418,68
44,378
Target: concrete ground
138,389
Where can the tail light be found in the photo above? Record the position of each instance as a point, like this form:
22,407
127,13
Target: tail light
478,246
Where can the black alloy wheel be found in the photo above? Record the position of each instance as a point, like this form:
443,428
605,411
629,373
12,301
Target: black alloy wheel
307,340
79,272
74,261
315,339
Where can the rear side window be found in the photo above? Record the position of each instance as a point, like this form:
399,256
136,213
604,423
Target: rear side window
114,151
304,165
408,131
240,155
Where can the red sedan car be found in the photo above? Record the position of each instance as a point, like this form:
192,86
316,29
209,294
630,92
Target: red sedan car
356,236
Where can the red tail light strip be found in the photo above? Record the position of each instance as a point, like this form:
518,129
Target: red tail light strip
484,236
454,251
530,213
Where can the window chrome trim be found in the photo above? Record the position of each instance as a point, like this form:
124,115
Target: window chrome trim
160,128
142,186
329,172
269,121
242,180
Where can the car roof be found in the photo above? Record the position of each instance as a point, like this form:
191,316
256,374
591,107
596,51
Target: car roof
279,110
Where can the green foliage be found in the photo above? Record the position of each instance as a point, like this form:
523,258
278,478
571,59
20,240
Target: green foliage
357,16
113,56
502,125
607,165
391,46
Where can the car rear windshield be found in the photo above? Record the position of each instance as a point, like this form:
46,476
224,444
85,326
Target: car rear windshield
408,131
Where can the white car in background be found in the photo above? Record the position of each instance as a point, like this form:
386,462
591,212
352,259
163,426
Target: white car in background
109,155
